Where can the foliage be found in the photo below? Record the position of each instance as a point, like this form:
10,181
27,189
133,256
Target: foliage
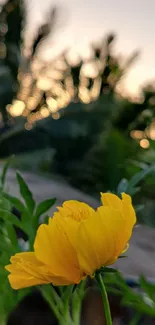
13,230
138,295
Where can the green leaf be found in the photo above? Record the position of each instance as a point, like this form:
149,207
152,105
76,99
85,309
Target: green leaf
4,247
4,171
122,186
134,190
26,194
15,202
139,207
136,319
26,224
8,216
5,204
147,287
12,235
44,207
139,177
46,219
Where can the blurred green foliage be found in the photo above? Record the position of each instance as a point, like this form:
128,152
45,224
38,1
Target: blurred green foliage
16,234
136,294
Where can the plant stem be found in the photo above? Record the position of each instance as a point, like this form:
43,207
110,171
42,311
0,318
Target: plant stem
77,298
49,298
76,309
60,309
104,299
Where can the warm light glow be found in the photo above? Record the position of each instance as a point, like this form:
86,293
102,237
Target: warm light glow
57,90
52,104
44,112
27,79
54,74
72,58
48,86
84,95
137,134
31,103
90,70
151,131
44,84
36,66
17,108
144,143
56,116
28,126
60,64
94,92
26,112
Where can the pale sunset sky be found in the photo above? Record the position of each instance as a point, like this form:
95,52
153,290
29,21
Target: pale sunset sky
83,21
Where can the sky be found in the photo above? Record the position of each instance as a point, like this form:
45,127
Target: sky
81,22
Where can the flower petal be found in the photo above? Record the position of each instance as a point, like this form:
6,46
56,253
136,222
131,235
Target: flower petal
27,271
111,200
75,210
122,224
128,210
101,239
53,247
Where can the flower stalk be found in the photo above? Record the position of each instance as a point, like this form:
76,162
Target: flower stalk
104,299
67,308
49,296
77,299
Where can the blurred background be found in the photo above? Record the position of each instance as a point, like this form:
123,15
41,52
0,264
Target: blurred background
77,93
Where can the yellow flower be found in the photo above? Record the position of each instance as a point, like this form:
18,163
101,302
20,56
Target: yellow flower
76,242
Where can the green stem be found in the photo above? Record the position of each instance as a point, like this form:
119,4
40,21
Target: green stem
60,310
136,319
51,302
77,298
76,309
66,300
57,299
104,298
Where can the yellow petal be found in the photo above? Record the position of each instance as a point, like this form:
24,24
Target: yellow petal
75,210
121,223
94,244
53,247
128,210
101,239
27,271
129,218
111,200
21,280
126,198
